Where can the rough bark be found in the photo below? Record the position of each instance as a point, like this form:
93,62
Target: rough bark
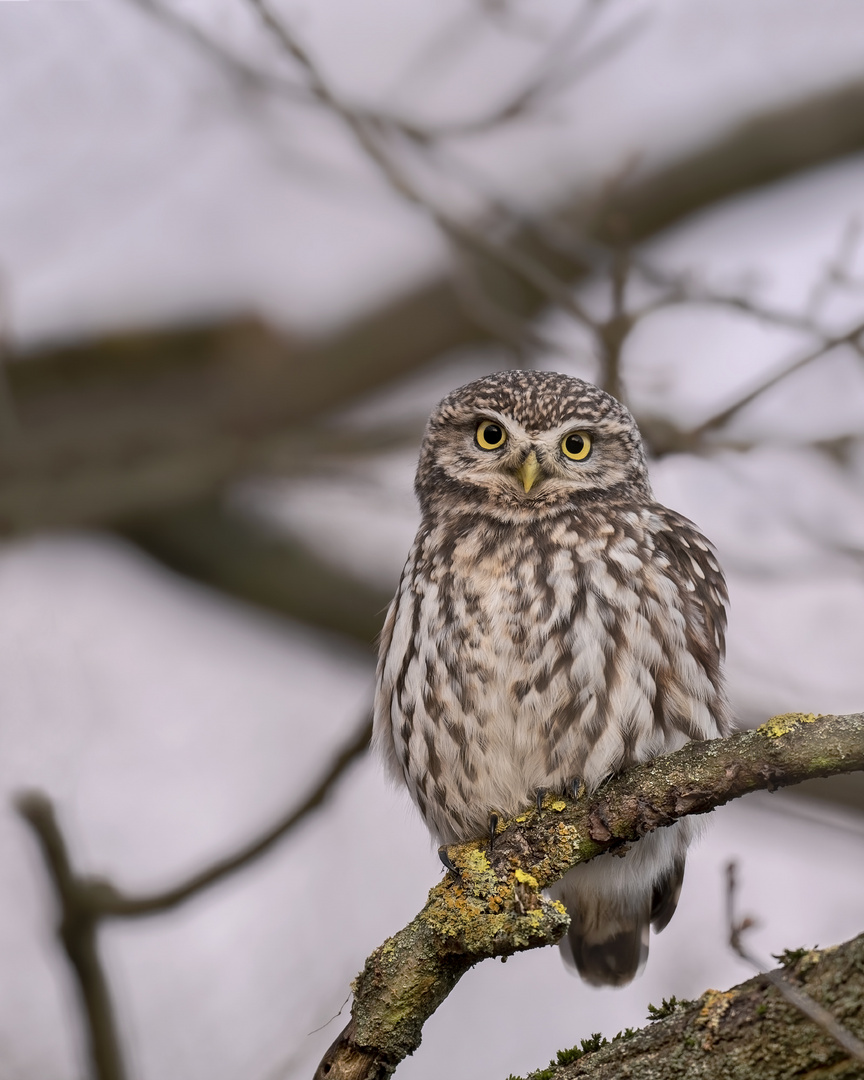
747,1033
494,906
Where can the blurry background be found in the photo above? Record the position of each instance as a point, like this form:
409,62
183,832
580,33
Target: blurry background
243,252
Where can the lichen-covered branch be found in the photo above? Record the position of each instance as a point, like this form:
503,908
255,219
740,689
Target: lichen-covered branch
796,997
746,1032
495,905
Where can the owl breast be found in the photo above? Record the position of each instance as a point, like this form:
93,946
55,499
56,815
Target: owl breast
522,658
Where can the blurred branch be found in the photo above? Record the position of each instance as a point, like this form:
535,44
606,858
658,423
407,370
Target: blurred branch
559,67
239,556
494,904
850,337
839,269
86,902
143,422
368,137
104,900
115,904
820,1016
9,428
78,900
249,74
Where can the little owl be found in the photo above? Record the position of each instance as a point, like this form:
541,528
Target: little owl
553,625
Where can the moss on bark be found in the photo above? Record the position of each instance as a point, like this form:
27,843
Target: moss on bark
494,906
747,1033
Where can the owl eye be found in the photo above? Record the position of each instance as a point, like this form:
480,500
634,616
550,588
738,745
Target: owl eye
576,445
490,435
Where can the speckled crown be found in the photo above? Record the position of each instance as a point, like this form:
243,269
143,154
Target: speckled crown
536,399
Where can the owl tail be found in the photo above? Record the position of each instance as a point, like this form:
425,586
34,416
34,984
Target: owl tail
611,906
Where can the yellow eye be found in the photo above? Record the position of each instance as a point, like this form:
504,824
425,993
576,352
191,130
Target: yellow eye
576,445
490,435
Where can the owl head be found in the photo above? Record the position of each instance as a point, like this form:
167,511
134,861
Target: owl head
523,444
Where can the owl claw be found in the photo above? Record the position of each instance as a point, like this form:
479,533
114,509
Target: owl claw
447,861
493,826
540,795
572,788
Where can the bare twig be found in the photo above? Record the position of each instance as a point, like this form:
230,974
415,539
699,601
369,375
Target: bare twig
719,419
803,1002
80,913
838,271
558,69
614,331
494,317
86,902
249,74
116,904
368,135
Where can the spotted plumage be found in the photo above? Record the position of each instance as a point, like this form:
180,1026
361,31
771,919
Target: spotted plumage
553,622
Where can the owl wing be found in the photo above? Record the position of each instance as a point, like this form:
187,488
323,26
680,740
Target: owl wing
703,598
612,902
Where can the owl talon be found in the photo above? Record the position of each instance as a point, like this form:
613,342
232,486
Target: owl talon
540,795
573,787
493,827
447,861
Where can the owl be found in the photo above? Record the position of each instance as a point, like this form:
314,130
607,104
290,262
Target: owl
553,626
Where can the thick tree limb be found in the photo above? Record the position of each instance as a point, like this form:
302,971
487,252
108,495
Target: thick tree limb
495,906
820,1016
747,1032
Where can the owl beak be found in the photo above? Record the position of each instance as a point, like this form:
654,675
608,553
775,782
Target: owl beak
528,471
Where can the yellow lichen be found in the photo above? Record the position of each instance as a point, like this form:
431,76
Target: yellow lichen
526,879
558,805
781,725
715,1004
476,862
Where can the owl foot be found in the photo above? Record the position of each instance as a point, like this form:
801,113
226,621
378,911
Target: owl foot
540,795
493,828
573,787
447,861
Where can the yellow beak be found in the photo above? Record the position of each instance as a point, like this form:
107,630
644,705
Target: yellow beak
528,471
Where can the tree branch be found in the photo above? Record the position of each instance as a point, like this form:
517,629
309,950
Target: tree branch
116,904
495,906
238,555
78,899
147,421
86,902
849,337
820,1016
746,1032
